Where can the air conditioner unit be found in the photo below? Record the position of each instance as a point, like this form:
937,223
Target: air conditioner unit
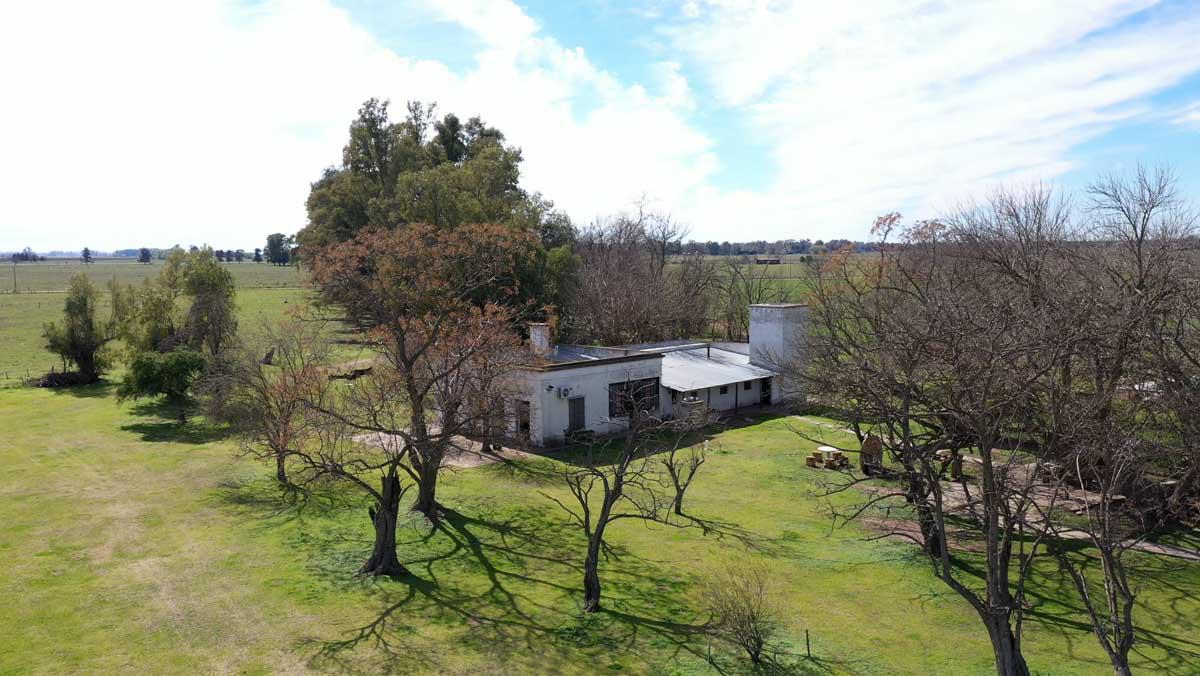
564,392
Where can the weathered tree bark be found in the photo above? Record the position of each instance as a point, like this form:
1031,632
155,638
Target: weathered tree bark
281,468
426,503
591,576
1009,660
383,559
591,564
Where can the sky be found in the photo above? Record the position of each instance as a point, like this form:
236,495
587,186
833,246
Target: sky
128,124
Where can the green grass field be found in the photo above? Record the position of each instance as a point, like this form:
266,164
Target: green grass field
22,316
52,275
132,544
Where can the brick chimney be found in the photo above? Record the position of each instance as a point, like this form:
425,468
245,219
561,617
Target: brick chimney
539,339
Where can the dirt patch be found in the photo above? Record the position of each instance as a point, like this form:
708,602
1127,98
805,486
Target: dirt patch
462,453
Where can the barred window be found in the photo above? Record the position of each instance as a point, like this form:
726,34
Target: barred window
632,395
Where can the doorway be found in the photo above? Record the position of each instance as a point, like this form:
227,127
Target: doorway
576,419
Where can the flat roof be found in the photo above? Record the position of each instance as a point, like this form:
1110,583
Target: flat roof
686,370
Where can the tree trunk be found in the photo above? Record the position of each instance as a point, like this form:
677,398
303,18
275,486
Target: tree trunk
1009,660
427,492
281,469
679,502
591,575
383,559
1121,666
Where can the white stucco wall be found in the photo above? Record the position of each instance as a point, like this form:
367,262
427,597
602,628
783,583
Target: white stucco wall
734,397
549,414
777,337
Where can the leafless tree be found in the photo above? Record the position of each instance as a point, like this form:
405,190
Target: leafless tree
629,292
684,456
265,403
611,482
1016,324
743,285
745,611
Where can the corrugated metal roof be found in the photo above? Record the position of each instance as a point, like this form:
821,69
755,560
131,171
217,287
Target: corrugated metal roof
686,370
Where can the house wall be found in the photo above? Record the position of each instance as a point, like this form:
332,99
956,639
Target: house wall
549,415
777,337
721,402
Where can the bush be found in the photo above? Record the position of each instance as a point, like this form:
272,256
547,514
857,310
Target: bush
169,374
742,601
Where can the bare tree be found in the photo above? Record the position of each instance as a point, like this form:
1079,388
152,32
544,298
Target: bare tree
745,612
745,284
264,400
1017,325
682,467
614,482
629,292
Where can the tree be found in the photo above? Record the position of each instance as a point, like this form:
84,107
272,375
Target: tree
625,291
742,602
263,400
1017,324
87,255
934,356
437,306
219,254
168,374
258,257
681,469
143,255
612,484
394,173
239,255
80,340
278,249
211,320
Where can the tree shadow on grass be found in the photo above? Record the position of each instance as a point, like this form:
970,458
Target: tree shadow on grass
1055,607
97,390
167,428
509,579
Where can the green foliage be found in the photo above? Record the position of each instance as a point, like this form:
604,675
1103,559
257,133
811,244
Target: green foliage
80,339
393,176
169,374
211,321
153,317
279,249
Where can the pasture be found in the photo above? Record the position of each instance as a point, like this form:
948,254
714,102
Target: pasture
52,274
263,291
134,544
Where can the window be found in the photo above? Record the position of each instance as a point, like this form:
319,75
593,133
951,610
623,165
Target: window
632,395
746,385
724,389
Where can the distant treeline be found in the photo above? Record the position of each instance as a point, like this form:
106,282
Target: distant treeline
777,248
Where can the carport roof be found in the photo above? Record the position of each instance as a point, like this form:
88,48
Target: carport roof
685,370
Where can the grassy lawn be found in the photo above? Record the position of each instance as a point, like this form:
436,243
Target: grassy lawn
22,315
52,275
130,543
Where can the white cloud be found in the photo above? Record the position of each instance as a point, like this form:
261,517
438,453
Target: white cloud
154,123
1189,116
870,107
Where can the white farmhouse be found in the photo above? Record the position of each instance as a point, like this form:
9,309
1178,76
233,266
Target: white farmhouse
567,389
